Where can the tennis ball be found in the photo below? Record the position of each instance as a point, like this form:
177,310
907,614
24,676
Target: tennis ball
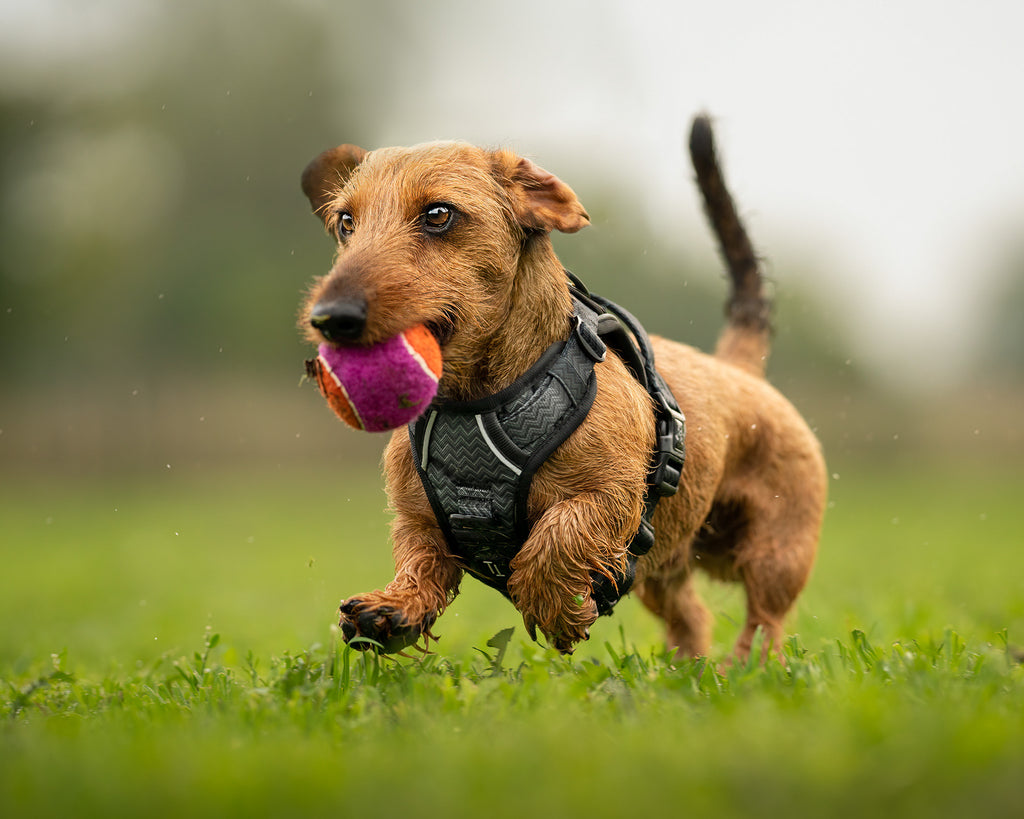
380,387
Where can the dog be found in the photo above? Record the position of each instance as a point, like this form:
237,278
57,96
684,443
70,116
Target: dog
457,238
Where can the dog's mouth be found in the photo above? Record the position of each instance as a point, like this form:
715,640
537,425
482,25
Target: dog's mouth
443,328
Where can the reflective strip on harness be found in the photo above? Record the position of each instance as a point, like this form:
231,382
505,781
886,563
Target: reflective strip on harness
494,450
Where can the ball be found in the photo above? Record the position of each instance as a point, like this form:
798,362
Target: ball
381,387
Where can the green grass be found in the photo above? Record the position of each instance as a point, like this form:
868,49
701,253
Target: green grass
168,651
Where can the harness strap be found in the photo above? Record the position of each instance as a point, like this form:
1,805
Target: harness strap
621,331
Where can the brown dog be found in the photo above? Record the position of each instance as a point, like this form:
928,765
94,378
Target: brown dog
457,238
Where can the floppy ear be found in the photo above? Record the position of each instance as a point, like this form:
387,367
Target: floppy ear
541,200
325,175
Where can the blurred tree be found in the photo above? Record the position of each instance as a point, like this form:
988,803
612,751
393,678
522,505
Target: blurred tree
150,196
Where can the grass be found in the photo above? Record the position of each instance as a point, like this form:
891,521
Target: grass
168,651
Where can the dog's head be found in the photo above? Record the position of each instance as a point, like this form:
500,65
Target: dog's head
442,234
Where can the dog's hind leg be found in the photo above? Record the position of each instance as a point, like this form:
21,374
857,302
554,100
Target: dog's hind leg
687,620
773,561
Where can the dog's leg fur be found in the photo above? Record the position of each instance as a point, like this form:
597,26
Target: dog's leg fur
584,518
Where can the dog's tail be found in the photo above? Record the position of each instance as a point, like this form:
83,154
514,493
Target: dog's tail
746,339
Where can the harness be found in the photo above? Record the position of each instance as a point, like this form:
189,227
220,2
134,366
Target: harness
476,459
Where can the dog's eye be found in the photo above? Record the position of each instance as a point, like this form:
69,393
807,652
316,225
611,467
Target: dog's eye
346,225
438,218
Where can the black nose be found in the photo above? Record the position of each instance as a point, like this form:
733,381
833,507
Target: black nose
342,320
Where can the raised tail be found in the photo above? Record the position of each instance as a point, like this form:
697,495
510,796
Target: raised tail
746,339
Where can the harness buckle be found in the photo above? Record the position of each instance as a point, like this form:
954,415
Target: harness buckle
589,340
643,540
671,451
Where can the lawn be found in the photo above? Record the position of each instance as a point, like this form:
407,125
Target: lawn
168,651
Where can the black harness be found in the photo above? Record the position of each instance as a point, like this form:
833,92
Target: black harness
477,458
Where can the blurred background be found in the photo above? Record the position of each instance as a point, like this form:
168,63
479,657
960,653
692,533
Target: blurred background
154,244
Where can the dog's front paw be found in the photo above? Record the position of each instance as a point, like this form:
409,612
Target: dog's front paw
564,632
566,643
383,624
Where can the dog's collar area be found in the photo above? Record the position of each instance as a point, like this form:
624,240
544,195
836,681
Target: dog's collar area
476,459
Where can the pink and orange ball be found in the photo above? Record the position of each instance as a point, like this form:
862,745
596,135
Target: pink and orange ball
384,386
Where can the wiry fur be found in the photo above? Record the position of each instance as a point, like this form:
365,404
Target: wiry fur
750,505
